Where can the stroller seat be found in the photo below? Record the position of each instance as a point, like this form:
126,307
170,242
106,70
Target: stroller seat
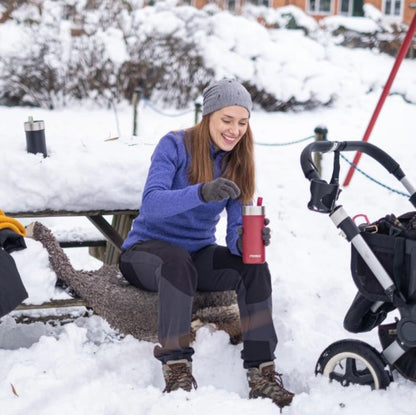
362,317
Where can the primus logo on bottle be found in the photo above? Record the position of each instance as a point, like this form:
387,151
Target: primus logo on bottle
255,255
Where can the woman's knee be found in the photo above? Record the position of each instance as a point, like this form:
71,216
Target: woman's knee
146,263
139,268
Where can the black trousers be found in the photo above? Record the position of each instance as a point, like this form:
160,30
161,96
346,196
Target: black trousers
176,275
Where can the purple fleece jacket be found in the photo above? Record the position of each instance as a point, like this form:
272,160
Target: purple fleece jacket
172,210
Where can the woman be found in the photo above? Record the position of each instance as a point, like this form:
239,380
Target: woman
194,175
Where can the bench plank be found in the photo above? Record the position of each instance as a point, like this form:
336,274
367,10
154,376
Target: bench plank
52,213
114,233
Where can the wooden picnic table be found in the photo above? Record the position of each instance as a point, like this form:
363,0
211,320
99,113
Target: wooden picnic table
108,250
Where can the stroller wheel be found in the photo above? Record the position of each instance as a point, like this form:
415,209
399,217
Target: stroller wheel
353,362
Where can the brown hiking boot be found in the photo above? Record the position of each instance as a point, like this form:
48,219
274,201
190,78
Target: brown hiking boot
178,375
265,382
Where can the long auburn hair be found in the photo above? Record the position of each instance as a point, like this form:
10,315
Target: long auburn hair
238,164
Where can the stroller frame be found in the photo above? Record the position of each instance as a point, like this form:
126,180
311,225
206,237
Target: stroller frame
323,199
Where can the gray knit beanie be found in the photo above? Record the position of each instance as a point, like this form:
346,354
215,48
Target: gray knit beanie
223,94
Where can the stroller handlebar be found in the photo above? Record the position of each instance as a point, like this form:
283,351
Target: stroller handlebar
323,194
310,171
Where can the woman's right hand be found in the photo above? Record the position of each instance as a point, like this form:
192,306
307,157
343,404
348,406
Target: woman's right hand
219,189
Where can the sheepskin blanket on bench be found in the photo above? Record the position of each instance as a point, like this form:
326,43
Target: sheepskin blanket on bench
126,308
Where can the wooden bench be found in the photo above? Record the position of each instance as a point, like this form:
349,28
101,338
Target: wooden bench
107,249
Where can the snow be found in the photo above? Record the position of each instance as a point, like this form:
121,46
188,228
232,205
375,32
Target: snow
113,38
359,24
85,367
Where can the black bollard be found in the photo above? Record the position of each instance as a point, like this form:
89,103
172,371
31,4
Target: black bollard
198,107
137,94
35,137
321,133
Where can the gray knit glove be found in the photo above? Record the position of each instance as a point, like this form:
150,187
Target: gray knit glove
266,233
219,189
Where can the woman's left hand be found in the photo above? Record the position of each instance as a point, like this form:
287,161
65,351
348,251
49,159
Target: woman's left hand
266,233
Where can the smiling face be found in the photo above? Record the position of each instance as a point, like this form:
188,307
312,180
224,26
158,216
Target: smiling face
227,126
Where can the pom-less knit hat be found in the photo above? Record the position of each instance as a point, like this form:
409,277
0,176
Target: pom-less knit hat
223,94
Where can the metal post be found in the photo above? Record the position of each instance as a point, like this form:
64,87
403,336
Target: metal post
321,133
197,111
137,94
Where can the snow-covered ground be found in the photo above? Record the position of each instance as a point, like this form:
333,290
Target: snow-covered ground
85,367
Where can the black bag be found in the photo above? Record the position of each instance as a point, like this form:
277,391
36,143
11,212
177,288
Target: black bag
11,241
393,241
12,290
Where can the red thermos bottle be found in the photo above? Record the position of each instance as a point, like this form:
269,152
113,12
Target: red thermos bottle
253,223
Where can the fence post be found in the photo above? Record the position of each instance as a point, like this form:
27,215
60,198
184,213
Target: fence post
197,111
137,94
321,133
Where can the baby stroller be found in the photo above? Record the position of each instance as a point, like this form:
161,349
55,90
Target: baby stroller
383,266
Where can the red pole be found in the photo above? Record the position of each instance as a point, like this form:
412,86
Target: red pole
400,56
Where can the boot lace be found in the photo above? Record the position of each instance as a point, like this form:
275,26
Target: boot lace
274,377
269,383
179,377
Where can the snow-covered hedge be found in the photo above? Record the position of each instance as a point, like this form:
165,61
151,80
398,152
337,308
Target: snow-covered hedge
66,51
55,52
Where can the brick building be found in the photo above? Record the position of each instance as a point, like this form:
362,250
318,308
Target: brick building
397,10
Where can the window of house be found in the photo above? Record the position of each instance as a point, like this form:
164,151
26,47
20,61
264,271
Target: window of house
319,6
258,2
231,5
351,7
345,7
392,7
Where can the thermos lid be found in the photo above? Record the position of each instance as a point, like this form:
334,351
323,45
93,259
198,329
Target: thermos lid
34,125
254,210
